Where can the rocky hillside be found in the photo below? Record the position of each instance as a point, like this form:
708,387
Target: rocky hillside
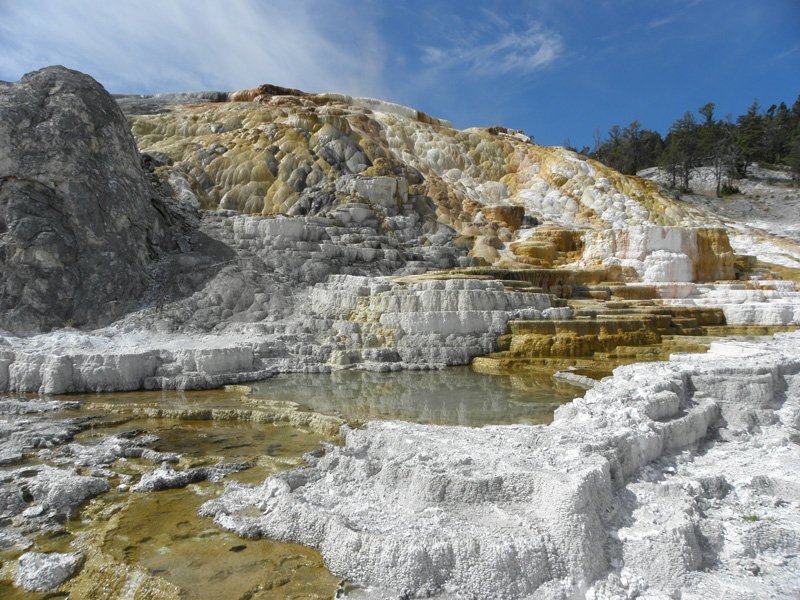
271,150
316,232
374,188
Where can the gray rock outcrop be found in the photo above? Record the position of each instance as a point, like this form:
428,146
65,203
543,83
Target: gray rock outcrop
79,221
39,572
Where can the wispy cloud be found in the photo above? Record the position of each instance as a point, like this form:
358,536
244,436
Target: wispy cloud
679,11
655,23
153,45
497,48
793,50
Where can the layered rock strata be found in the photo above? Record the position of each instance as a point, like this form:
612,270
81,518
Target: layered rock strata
640,253
432,323
372,323
664,254
263,315
617,497
755,303
77,362
622,326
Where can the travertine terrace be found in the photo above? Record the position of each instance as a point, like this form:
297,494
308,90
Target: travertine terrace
277,231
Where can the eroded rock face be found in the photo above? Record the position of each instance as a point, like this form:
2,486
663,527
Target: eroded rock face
80,221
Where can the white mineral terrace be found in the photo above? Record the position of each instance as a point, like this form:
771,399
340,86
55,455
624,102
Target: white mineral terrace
348,320
771,303
350,233
666,480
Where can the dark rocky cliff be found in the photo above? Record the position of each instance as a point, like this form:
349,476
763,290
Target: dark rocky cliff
79,219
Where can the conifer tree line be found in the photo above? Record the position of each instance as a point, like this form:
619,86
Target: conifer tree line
729,146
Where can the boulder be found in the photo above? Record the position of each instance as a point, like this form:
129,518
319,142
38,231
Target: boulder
39,572
79,220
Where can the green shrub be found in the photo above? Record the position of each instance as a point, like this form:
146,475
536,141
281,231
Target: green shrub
729,190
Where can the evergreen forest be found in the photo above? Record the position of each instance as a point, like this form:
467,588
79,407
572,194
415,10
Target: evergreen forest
729,145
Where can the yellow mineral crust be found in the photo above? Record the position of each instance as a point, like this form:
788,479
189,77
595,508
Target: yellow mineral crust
261,150
715,258
579,337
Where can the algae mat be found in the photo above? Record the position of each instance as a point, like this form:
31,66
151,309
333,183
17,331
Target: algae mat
153,545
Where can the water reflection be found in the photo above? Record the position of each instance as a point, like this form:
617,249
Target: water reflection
455,396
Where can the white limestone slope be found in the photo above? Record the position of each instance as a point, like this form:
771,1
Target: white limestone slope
769,249
762,218
253,317
307,294
384,325
665,479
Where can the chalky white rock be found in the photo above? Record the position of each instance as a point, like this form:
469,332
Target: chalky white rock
644,486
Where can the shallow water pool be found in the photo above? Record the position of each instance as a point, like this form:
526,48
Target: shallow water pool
454,396
154,544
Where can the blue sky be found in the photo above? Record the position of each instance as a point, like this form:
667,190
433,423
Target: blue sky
554,68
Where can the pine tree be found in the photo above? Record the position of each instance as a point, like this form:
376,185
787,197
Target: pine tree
729,146
751,135
793,149
683,147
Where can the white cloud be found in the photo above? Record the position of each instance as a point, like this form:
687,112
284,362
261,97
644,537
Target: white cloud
656,23
498,49
787,53
168,45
